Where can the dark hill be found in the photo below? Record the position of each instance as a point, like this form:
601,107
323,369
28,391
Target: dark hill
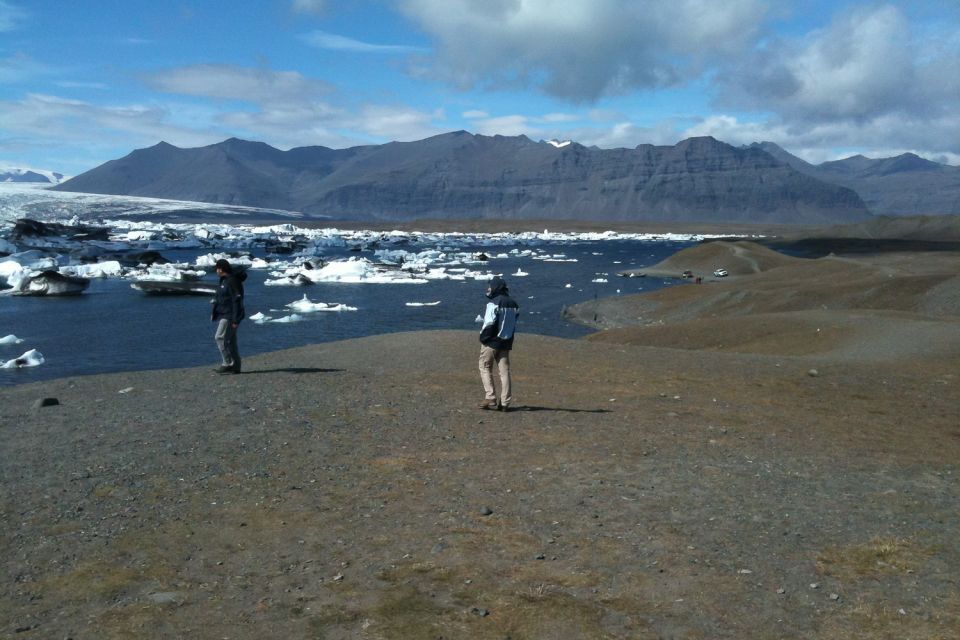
461,175
903,185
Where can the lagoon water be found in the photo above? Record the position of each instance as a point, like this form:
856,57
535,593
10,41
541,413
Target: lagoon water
112,327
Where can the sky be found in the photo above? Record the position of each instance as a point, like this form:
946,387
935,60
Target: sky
84,82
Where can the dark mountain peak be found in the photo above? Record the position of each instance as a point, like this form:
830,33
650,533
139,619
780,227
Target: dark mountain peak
908,162
246,145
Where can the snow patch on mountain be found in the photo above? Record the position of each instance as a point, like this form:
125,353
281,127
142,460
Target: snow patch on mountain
21,174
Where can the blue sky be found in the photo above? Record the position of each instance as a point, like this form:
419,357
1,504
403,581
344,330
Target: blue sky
85,82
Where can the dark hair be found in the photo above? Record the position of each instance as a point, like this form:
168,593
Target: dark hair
224,265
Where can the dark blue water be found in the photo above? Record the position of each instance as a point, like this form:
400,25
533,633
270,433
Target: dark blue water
112,327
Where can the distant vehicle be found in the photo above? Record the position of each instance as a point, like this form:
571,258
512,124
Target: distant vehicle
721,273
687,274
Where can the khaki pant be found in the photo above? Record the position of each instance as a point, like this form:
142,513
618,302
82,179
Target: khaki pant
488,356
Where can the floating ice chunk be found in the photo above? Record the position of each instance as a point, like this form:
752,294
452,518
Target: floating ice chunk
361,271
260,263
520,272
599,280
293,317
479,318
305,306
210,260
7,247
31,358
10,339
165,273
107,269
568,286
422,304
259,318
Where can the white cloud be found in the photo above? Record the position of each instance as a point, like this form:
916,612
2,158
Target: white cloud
324,40
19,68
227,82
475,113
512,125
46,119
560,117
10,16
581,49
293,110
866,63
308,6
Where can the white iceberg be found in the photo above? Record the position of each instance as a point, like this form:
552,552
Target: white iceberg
31,358
520,273
107,269
259,318
304,305
293,317
10,339
422,304
599,280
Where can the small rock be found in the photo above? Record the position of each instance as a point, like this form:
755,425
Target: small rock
165,597
834,596
439,547
781,591
814,585
540,556
813,373
45,402
125,390
483,613
486,511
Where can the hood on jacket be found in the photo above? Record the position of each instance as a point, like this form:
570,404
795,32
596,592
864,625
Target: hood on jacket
497,286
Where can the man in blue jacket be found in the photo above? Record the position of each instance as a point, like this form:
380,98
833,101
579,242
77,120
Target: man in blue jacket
227,312
496,339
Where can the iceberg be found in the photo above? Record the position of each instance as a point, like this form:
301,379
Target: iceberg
94,270
31,358
10,339
50,283
422,304
304,305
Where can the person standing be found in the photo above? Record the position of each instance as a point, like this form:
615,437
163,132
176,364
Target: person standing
227,312
496,340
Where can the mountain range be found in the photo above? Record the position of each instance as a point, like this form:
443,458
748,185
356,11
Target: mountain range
903,185
462,175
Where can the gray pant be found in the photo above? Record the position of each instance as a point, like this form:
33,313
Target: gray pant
489,356
226,338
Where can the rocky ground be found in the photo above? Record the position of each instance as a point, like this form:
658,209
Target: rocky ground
788,471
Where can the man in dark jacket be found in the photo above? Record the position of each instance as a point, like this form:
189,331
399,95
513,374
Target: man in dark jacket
227,312
496,339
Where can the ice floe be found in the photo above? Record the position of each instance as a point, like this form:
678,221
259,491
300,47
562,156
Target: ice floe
304,305
422,304
10,339
31,358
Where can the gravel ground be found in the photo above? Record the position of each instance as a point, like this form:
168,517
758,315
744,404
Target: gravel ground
353,490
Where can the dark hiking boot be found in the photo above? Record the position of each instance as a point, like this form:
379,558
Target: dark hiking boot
236,367
505,408
489,405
